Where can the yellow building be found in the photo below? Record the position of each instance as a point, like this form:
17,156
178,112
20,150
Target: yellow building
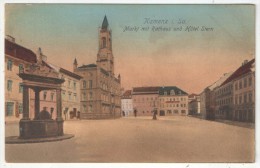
100,89
172,101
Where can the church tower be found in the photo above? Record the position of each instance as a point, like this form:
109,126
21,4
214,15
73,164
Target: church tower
105,59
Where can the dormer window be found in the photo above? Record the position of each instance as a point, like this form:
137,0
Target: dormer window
172,92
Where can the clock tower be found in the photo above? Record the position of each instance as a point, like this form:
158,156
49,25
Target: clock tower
105,59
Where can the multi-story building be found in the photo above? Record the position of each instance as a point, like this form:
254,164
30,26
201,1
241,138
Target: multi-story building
172,101
209,96
70,93
17,58
145,100
100,89
194,104
127,103
244,92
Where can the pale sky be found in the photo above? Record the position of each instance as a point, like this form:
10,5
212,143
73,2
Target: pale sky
188,60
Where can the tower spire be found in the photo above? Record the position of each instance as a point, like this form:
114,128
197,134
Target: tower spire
105,23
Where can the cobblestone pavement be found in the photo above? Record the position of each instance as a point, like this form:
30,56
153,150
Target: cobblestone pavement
141,139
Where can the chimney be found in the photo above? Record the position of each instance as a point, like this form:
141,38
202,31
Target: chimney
10,38
245,62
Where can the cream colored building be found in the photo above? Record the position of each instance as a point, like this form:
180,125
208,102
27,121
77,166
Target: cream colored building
17,58
127,103
100,89
172,101
244,93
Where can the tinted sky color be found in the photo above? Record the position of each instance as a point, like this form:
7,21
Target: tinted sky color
189,60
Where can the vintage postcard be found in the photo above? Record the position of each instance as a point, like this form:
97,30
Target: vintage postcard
129,83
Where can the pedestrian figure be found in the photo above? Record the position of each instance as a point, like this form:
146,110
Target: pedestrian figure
123,113
154,115
78,115
135,112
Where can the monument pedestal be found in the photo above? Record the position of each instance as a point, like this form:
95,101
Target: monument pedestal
40,128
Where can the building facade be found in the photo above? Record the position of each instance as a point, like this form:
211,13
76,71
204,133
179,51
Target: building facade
194,104
100,90
17,58
145,100
127,103
172,101
243,102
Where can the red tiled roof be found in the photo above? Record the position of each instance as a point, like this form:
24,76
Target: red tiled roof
192,95
127,94
244,69
19,52
146,89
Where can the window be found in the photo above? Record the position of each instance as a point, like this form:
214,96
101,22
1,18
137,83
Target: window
165,93
240,99
245,82
20,108
250,81
236,99
9,85
236,87
245,98
9,108
20,88
44,95
68,83
90,108
240,84
84,108
172,92
103,42
90,96
90,84
250,96
75,96
52,96
9,65
64,94
74,85
69,96
20,68
84,84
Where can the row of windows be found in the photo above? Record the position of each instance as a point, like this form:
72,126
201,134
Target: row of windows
224,90
175,111
143,99
173,105
70,84
224,101
71,96
10,66
244,98
10,86
172,92
173,99
10,108
243,83
86,84
85,95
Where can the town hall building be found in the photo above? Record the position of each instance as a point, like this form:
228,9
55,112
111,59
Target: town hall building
100,89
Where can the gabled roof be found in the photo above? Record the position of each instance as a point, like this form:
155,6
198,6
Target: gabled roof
88,66
168,90
146,89
220,81
193,95
127,94
105,23
20,52
244,69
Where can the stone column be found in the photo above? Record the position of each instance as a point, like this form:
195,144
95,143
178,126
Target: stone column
36,103
59,104
25,103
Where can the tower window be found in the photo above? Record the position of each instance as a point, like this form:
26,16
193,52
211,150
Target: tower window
104,42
